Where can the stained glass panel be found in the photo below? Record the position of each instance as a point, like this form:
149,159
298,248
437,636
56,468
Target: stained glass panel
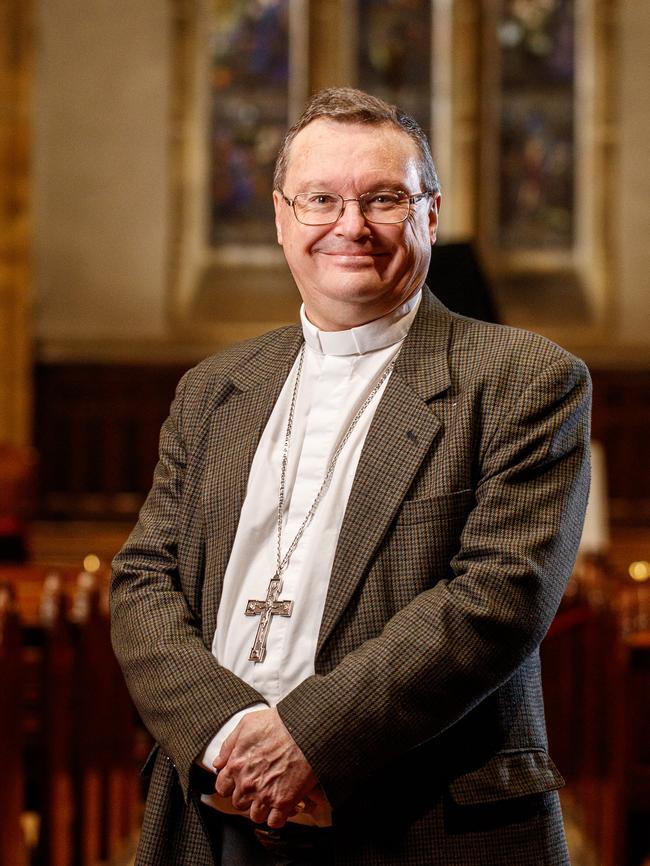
249,115
395,53
536,201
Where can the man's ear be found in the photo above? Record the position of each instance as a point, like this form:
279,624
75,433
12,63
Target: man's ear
278,204
434,212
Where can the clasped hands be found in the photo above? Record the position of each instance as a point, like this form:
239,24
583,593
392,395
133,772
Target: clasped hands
262,769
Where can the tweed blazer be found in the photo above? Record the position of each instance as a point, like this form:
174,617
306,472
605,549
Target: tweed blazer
424,720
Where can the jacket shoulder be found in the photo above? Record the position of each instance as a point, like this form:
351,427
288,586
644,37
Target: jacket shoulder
228,361
214,377
508,359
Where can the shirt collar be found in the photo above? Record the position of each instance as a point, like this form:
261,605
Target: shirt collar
378,334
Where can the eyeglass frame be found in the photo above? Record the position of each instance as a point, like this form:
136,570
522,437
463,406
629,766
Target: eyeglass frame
412,199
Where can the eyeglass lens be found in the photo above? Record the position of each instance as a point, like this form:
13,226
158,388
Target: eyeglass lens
322,208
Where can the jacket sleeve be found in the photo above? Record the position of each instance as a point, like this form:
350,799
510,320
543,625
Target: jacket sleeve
458,641
183,695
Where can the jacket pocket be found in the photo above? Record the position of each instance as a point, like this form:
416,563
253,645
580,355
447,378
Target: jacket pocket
509,774
444,508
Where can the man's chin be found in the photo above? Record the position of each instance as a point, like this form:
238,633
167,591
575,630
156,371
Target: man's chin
362,277
371,298
352,288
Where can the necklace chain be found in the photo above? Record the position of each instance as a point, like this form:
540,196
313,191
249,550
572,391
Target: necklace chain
283,561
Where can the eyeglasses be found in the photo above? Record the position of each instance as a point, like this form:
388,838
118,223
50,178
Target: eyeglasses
385,206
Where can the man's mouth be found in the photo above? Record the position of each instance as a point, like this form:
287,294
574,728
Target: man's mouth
352,254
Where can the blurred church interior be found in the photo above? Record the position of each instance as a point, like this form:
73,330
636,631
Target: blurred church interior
136,148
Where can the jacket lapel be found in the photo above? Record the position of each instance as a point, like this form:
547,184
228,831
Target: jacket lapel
399,438
236,427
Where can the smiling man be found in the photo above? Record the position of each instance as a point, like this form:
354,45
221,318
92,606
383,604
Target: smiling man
359,265
359,531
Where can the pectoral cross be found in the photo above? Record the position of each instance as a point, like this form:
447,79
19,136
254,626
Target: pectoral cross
265,610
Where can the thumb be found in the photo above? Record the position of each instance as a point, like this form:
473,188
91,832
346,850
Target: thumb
226,750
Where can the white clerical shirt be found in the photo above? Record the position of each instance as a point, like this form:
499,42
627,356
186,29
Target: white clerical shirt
340,368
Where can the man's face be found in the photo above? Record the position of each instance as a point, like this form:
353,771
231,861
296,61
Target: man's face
354,271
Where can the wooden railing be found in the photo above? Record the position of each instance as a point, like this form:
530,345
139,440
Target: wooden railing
97,428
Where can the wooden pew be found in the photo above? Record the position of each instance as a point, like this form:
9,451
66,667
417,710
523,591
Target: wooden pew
92,718
97,730
630,842
577,671
596,675
55,799
12,848
83,740
565,688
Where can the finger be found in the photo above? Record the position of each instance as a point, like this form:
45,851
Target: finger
259,812
225,784
241,801
276,819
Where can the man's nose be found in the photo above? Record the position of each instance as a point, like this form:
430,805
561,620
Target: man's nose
352,222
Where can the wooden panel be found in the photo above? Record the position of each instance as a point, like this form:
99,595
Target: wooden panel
97,429
621,421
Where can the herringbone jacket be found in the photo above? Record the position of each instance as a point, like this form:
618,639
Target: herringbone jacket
424,721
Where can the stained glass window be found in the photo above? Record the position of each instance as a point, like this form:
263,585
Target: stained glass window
249,54
536,163
395,53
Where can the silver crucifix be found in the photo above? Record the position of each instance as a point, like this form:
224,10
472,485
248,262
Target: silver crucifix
265,610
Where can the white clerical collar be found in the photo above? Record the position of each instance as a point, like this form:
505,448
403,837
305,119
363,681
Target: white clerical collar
378,334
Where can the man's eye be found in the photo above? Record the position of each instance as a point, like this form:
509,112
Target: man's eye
321,199
384,198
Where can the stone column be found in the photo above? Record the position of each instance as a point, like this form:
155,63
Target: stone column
15,105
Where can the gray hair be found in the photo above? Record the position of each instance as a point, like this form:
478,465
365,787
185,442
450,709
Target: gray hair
347,105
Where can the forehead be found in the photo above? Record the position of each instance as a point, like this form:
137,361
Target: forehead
331,154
